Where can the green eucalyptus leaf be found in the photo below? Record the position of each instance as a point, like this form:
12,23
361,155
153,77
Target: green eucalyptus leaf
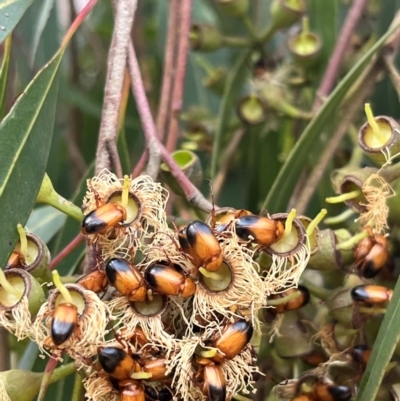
4,76
11,12
45,222
42,18
281,191
25,138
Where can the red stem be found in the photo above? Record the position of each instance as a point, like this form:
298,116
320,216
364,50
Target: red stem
153,141
177,94
140,164
333,68
165,98
78,21
66,251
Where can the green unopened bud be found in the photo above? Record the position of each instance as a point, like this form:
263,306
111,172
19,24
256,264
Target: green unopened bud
205,38
48,195
216,81
328,257
190,164
23,385
252,110
379,137
294,339
305,47
234,8
285,13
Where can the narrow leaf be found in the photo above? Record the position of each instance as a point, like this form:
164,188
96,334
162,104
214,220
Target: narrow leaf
25,138
281,191
45,222
42,18
4,75
11,12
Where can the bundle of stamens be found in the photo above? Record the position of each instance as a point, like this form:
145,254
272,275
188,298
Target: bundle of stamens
72,320
120,212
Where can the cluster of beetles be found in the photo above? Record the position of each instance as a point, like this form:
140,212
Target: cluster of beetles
167,312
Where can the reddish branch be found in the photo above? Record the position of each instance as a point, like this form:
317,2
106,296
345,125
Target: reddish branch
331,73
168,74
179,82
66,251
153,142
107,147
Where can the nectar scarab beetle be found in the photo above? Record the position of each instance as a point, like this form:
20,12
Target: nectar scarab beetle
104,218
233,339
330,392
117,362
293,304
214,386
157,367
224,221
261,230
64,322
199,242
166,280
371,255
127,279
361,353
371,294
95,281
16,260
131,390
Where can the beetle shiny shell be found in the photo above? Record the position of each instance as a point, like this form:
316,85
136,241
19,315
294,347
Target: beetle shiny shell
228,218
95,281
64,322
295,303
166,280
127,279
361,353
131,390
100,220
200,243
214,386
233,339
117,363
371,294
371,255
261,230
330,392
16,260
162,394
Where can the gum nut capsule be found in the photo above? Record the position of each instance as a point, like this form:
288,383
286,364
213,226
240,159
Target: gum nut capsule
261,230
117,363
100,220
64,322
233,339
127,279
166,280
214,383
371,294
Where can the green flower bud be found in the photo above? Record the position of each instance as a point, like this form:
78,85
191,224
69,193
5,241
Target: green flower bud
234,8
305,48
205,38
285,13
23,385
